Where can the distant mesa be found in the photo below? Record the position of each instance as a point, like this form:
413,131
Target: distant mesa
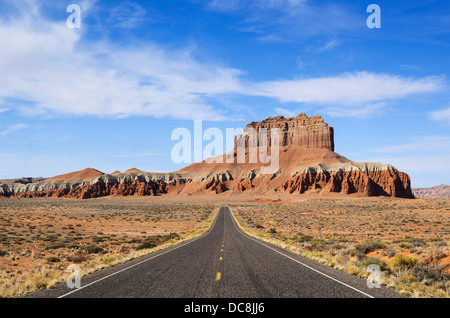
83,175
133,170
438,192
307,165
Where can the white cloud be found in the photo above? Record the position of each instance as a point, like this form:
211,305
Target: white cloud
359,111
54,71
290,19
441,115
13,128
329,45
422,144
350,88
127,15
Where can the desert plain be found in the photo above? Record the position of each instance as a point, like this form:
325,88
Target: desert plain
409,239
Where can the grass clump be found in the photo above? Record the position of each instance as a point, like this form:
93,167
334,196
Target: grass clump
403,262
107,260
93,249
53,259
145,245
353,270
374,261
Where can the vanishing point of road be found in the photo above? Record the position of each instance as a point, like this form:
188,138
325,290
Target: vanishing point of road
222,263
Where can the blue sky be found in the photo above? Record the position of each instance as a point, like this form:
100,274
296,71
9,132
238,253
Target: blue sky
109,95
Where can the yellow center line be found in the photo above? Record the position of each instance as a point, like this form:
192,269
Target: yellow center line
220,258
218,275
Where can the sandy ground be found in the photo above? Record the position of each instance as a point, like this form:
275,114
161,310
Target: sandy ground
53,233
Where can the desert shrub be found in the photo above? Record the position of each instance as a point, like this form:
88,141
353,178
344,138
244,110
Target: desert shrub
312,248
145,245
403,262
93,249
374,260
135,240
53,259
418,289
361,250
434,256
107,259
391,251
318,242
407,279
305,238
170,236
3,253
409,241
429,274
79,258
56,246
353,270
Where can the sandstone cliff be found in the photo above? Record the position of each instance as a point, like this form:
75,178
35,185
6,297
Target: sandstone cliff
302,131
307,165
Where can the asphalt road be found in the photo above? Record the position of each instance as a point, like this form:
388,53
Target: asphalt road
223,263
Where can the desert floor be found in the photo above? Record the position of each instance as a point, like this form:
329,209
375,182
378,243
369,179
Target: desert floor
39,238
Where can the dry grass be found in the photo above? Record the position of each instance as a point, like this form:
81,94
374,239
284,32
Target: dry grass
40,238
408,239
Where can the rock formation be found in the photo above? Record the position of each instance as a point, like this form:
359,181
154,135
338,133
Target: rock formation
307,164
300,131
438,192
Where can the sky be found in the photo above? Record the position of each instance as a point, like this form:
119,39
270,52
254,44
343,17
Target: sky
109,94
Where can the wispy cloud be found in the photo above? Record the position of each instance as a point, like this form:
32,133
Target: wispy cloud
363,110
289,19
127,15
351,94
442,115
425,143
10,129
329,45
54,70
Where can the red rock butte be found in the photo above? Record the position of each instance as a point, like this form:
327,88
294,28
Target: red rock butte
307,165
301,131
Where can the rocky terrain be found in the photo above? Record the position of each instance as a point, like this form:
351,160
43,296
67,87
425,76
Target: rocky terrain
439,192
302,131
307,164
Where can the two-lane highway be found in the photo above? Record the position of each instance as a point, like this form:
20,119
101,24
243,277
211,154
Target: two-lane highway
223,263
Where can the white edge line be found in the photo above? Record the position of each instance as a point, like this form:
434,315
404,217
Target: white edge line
146,260
295,260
